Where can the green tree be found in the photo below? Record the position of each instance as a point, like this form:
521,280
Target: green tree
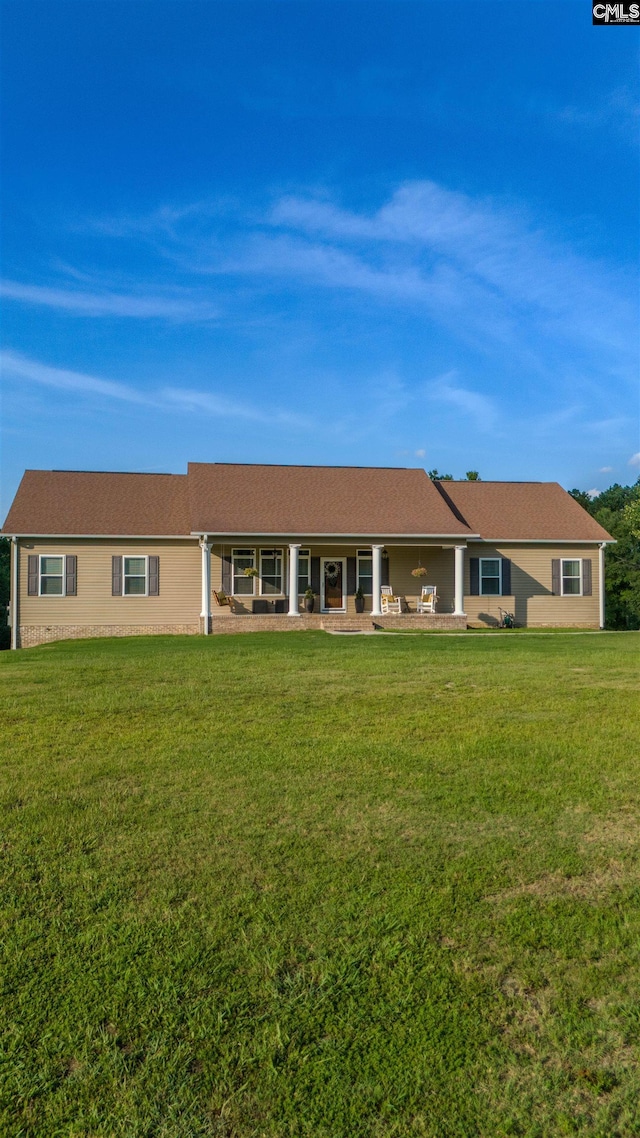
618,511
436,477
472,476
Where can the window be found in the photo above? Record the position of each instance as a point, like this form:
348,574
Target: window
135,576
571,579
304,571
364,579
490,573
242,559
51,576
270,571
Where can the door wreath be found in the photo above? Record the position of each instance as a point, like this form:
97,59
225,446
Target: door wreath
331,571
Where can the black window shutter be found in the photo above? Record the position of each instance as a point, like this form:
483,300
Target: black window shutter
116,576
586,577
154,576
385,571
351,575
226,574
315,574
474,576
506,577
555,576
71,575
32,575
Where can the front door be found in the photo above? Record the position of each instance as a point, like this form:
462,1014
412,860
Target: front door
333,577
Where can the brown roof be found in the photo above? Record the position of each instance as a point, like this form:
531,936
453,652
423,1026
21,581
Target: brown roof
234,499
229,498
91,502
521,511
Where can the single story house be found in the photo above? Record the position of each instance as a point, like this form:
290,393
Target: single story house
229,547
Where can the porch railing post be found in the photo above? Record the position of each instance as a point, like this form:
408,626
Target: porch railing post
376,551
294,550
459,581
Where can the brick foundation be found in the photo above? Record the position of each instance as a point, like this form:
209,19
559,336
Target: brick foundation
31,635
326,621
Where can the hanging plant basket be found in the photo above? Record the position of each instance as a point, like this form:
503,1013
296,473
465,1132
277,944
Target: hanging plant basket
251,572
419,572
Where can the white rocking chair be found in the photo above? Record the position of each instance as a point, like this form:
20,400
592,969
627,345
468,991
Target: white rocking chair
428,599
389,603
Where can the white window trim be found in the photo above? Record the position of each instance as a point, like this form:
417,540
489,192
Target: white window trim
481,562
63,575
564,561
254,580
364,553
138,556
272,549
301,553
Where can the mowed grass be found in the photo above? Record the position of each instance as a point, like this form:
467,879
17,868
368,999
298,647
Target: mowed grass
305,885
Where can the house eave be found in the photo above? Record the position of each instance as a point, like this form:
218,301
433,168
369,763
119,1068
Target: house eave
331,535
99,536
547,540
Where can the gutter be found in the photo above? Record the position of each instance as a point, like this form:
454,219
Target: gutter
332,536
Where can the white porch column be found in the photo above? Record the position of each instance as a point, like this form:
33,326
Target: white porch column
205,546
294,550
601,584
376,551
459,580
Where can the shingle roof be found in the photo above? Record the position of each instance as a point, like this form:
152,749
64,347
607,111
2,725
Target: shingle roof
234,499
91,502
229,498
521,511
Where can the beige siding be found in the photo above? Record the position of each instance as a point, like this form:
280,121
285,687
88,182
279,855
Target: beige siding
179,602
532,601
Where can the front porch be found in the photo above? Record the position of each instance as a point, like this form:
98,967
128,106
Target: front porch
251,584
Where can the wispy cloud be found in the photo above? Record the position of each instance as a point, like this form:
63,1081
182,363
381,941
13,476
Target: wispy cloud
187,400
167,399
483,269
109,303
478,256
19,367
635,459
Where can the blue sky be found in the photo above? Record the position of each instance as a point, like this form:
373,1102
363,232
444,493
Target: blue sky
400,234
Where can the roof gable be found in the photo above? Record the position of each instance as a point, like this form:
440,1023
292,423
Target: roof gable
82,502
521,511
226,498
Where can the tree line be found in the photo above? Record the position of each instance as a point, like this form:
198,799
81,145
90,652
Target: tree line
618,511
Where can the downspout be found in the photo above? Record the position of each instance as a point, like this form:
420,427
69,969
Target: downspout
13,598
601,583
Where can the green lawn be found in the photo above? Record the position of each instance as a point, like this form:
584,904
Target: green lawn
298,884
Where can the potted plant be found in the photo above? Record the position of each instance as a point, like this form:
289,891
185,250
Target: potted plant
419,572
359,599
250,572
309,600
